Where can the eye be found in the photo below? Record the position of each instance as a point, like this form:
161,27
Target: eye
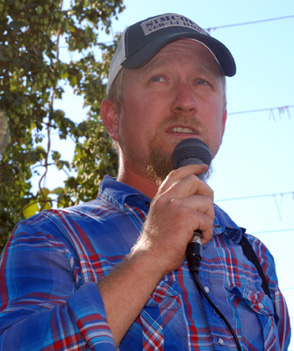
200,81
157,79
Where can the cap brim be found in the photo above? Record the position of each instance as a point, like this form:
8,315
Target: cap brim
145,53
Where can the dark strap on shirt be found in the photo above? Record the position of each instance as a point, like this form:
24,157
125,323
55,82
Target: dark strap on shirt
251,255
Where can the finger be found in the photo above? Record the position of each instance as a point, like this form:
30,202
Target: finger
196,213
205,226
185,187
184,171
196,203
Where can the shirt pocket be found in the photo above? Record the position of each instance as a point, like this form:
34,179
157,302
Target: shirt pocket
256,304
162,319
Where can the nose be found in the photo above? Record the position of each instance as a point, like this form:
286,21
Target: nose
184,99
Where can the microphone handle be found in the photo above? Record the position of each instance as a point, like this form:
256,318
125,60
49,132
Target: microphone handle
194,251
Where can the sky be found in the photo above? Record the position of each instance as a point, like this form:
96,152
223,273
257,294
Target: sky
253,177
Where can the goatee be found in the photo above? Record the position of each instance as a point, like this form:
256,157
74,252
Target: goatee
160,165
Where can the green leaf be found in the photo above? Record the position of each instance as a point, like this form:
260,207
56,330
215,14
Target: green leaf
44,192
31,209
34,74
58,191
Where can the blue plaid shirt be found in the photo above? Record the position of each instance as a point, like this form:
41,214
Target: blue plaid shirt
53,261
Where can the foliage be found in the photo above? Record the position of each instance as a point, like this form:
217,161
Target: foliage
32,77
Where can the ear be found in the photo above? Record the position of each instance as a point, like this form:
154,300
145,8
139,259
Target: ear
224,119
110,116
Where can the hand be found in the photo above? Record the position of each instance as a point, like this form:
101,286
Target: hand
182,204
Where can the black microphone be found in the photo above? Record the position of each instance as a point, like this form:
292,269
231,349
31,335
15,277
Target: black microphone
192,151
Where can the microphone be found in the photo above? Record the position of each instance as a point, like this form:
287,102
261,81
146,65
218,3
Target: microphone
192,151
195,151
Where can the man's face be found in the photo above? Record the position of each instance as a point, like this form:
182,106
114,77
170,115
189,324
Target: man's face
179,94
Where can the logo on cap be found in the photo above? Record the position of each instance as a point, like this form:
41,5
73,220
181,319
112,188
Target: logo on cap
166,21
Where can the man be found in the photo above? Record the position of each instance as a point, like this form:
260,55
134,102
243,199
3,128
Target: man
112,273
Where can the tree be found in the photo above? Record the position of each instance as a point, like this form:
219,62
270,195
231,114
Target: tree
32,77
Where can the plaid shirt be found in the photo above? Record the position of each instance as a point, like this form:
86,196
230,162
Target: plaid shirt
53,261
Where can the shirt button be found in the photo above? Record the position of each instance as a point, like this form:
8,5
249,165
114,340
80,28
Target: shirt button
220,341
260,305
206,288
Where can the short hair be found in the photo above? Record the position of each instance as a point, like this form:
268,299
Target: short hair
115,93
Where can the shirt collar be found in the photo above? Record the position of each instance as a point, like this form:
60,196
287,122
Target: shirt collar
223,224
122,195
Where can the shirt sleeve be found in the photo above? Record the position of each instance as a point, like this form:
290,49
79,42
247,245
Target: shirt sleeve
282,318
43,304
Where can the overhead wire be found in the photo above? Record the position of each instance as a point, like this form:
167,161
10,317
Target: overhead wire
257,196
281,109
250,22
273,231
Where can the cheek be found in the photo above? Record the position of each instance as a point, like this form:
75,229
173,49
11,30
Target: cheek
141,115
217,138
215,130
134,127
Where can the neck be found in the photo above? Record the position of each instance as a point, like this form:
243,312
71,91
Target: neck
137,181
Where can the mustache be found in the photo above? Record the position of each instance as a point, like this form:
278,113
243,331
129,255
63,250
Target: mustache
184,120
160,163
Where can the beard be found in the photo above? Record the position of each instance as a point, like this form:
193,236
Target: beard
160,164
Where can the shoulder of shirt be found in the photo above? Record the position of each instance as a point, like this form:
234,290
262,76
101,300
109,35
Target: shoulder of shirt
225,223
222,219
112,196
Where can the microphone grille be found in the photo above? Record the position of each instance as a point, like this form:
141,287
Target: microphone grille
191,151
